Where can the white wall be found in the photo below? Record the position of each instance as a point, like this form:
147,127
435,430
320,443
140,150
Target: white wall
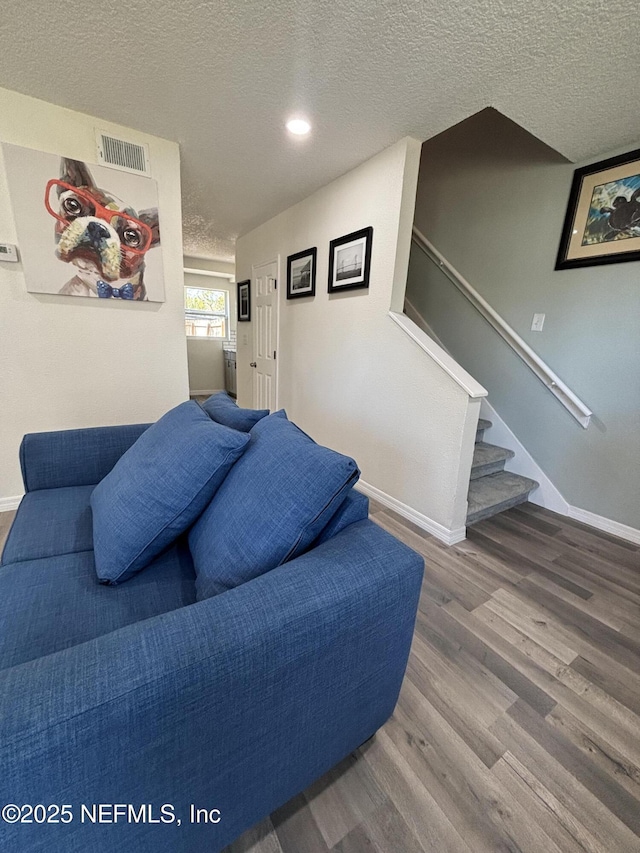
204,355
206,365
348,375
72,362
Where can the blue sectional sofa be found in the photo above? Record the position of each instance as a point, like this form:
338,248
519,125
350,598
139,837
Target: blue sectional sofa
125,711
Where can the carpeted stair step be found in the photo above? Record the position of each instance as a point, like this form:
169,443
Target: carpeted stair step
489,459
495,493
482,426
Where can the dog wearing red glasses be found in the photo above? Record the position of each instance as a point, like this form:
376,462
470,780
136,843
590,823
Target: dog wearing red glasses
104,239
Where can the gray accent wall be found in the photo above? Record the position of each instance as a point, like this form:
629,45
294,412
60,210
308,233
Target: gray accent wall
492,199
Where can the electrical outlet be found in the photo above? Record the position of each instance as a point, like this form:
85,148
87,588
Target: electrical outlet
537,323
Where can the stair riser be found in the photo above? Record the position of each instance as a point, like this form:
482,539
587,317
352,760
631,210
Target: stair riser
483,426
494,510
492,489
483,470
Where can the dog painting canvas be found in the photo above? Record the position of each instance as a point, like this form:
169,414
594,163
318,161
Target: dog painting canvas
85,230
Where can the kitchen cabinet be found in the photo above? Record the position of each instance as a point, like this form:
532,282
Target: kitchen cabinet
230,372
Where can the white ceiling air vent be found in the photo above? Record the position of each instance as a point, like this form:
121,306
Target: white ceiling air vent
120,154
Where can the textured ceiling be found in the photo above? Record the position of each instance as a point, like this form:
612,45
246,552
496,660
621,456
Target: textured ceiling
221,77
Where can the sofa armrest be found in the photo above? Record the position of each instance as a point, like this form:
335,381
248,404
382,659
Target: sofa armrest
235,703
74,457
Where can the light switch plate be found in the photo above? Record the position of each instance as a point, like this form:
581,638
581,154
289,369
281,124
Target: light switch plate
537,323
8,252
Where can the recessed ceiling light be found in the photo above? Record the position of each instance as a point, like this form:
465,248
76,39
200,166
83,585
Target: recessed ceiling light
298,126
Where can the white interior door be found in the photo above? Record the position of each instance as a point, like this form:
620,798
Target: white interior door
265,336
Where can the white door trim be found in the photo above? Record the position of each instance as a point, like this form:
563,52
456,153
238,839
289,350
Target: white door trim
254,267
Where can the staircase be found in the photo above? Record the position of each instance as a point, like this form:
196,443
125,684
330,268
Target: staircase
492,489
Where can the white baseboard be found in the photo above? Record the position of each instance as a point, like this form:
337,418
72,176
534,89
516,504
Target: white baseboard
444,534
9,504
205,393
608,525
546,495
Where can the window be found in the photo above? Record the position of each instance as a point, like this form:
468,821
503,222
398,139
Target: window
206,312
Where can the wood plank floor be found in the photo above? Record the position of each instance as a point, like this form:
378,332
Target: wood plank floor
6,518
518,725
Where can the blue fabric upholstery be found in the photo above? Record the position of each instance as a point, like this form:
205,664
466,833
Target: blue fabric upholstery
272,506
158,488
51,604
354,508
237,703
221,408
74,457
50,522
137,694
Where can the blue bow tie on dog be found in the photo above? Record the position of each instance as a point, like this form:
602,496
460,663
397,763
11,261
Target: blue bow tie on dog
105,291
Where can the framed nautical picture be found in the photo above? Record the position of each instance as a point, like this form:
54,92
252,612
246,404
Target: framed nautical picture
301,274
350,261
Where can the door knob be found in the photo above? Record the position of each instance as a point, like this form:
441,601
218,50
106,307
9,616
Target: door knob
252,364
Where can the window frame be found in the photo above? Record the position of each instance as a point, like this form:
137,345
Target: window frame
225,315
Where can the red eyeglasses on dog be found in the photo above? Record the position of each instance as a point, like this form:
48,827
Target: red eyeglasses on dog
135,235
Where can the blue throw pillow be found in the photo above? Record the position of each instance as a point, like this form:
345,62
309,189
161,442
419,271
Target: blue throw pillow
271,507
158,488
222,409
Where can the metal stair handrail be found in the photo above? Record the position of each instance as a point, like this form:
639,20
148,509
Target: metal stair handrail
572,403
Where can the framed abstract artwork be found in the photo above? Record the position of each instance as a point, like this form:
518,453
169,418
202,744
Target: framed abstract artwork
602,224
